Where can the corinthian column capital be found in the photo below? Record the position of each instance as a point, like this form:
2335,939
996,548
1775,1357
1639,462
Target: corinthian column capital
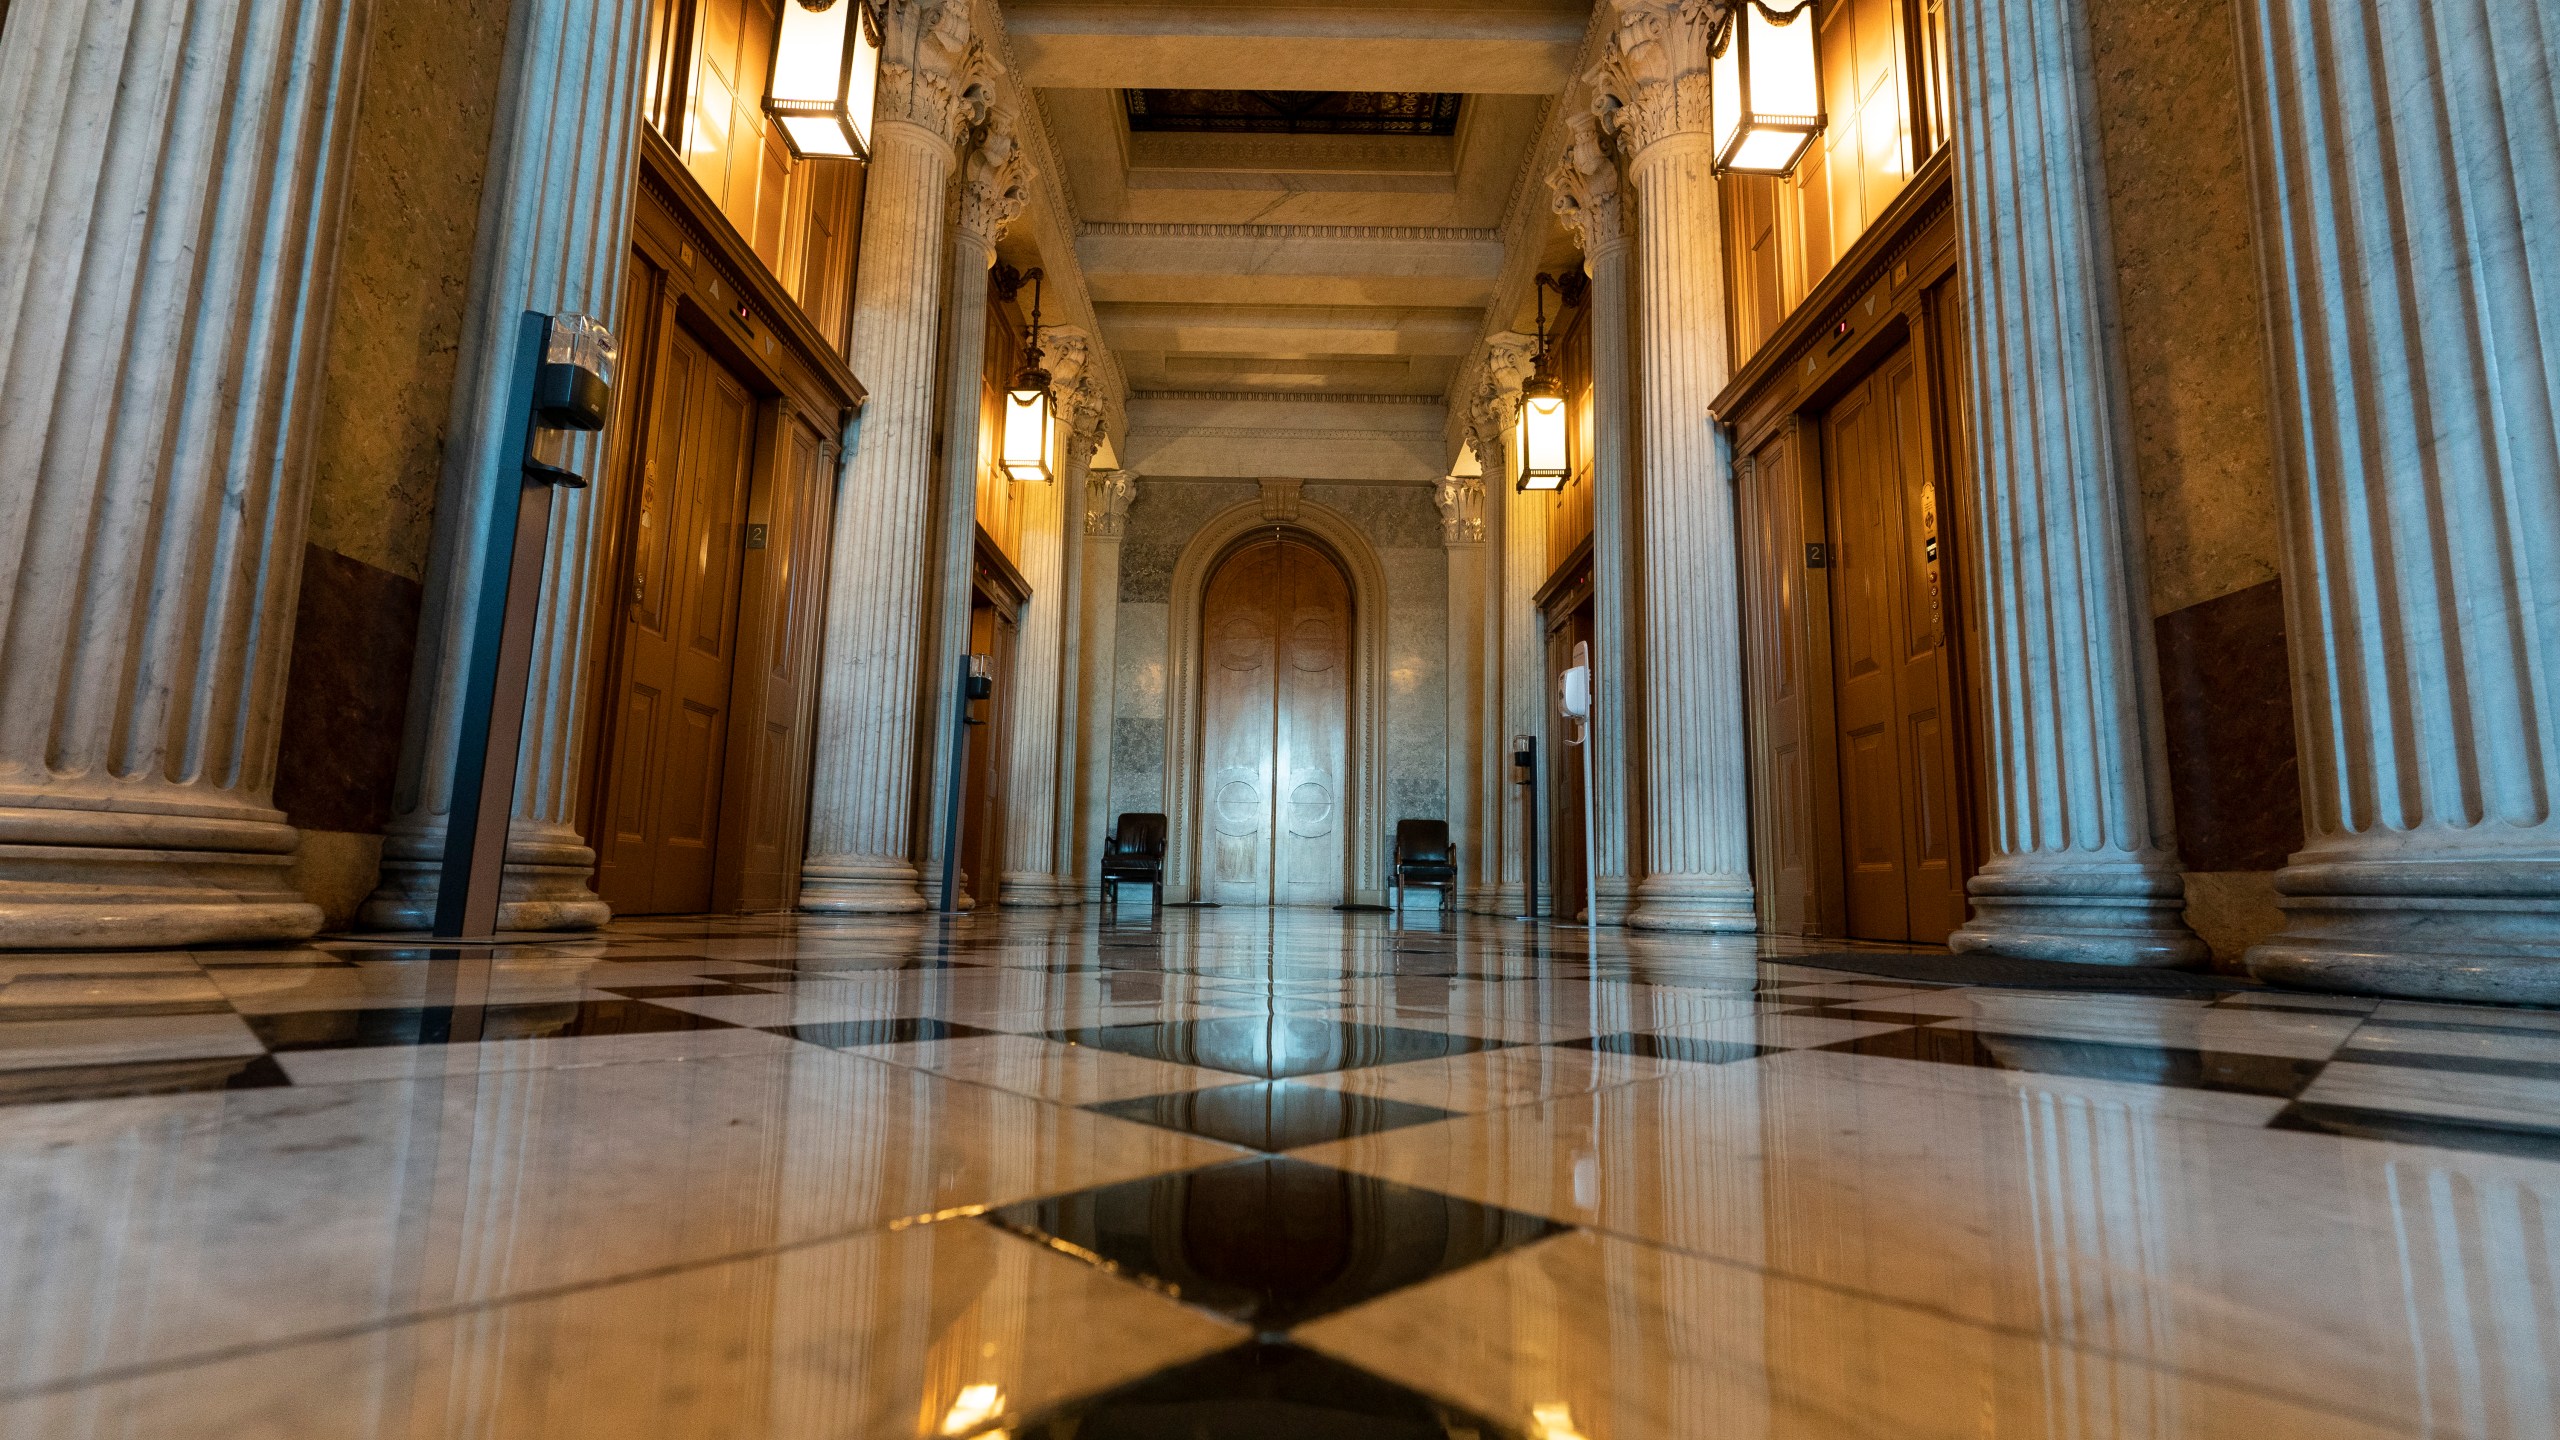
926,61
1589,195
995,181
1461,502
1106,503
1079,399
1495,403
1650,84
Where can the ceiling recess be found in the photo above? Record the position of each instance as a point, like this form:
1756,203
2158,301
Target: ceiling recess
1291,112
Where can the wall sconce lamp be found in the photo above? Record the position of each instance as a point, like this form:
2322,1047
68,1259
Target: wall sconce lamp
1767,104
826,74
1546,452
1030,412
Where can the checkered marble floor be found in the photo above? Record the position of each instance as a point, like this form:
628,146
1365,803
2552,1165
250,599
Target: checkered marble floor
1214,1173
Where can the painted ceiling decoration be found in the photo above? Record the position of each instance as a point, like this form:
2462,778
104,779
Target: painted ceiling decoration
1291,112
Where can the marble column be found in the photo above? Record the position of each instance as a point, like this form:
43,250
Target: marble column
170,192
1106,520
2084,864
1461,499
1085,422
1651,88
1590,198
1031,786
1491,886
554,222
991,193
861,834
2408,160
1522,643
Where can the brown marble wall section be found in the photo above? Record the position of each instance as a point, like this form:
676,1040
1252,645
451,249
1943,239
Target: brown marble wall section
404,269
353,635
2169,110
2226,687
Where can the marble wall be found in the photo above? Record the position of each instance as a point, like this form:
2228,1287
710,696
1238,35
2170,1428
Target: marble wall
404,268
1403,525
2176,154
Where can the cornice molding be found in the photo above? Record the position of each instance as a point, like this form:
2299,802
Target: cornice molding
1170,230
1261,432
1283,397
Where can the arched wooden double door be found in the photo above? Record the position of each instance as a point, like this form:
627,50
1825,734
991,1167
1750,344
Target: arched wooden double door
1275,725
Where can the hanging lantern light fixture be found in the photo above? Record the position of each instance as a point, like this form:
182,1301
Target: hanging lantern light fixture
1546,458
826,74
1767,88
1030,412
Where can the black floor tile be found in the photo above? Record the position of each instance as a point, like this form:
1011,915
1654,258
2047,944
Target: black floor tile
1274,1242
2406,1129
2092,1060
854,1034
1690,1048
464,1024
1275,1047
1273,1114
140,1077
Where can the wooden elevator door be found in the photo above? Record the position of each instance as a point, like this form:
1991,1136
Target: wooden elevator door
1275,726
1900,825
670,735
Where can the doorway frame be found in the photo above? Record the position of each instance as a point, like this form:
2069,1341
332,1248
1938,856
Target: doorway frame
1364,862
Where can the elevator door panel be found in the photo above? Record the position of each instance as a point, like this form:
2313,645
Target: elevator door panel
671,732
1902,860
1275,693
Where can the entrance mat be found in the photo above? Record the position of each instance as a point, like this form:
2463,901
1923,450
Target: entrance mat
2016,974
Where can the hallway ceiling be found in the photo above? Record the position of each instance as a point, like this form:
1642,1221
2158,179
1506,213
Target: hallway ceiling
1240,260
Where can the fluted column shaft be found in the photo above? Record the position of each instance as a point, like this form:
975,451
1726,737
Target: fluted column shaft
953,586
1522,642
2409,159
1613,575
860,833
1031,792
170,191
554,233
1107,498
1462,528
1065,884
2085,864
1698,850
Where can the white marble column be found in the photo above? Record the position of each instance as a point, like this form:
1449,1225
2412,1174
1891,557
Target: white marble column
1087,420
554,221
1106,519
991,193
1461,499
1522,642
861,834
2409,160
1492,884
1590,198
170,190
1652,88
2084,864
1031,786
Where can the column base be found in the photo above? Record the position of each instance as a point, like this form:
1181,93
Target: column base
548,883
1037,890
864,885
2125,913
2423,930
1714,904
112,880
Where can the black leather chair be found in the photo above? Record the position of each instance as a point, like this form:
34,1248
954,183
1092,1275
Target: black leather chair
1424,855
1133,854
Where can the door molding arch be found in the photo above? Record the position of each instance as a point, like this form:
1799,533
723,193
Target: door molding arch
1333,533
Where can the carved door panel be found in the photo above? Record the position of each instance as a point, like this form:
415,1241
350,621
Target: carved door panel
992,631
1275,734
1238,732
1314,701
1898,765
671,730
